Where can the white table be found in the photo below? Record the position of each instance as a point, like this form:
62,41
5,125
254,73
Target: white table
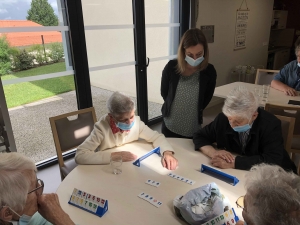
275,96
124,207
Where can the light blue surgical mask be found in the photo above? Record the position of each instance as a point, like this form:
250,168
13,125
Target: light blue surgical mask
125,126
194,62
245,223
298,64
24,220
241,129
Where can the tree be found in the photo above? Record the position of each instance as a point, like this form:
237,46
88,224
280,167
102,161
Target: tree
42,13
4,56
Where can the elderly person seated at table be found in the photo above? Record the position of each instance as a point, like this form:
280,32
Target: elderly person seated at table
246,130
272,197
21,195
118,127
288,78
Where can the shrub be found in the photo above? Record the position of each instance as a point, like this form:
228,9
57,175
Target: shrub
39,55
23,60
4,56
56,51
14,52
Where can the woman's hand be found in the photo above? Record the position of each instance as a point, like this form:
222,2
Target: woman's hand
223,154
126,156
169,161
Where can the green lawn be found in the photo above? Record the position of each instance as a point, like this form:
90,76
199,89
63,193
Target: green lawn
23,93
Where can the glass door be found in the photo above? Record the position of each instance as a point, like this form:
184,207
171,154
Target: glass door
38,75
109,37
162,39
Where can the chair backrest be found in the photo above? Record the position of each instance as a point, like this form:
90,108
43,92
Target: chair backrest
286,110
264,76
287,128
71,129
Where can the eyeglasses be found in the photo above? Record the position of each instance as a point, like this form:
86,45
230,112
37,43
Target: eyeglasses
240,202
39,187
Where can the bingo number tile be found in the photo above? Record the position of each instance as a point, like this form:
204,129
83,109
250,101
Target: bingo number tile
227,218
88,202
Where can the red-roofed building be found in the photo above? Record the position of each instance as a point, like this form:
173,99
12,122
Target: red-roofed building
28,38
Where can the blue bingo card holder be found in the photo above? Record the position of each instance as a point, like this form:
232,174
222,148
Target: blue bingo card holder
88,202
138,161
227,218
219,175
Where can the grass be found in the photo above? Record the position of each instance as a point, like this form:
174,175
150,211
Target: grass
23,93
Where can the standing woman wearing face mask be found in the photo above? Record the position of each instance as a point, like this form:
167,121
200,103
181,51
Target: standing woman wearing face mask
187,86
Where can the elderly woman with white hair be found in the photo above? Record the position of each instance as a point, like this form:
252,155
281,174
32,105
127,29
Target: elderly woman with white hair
21,197
118,127
246,130
272,197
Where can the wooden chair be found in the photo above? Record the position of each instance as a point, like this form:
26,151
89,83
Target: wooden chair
70,130
264,76
286,110
289,111
287,128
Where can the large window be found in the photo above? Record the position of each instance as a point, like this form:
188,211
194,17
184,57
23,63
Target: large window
109,31
39,82
162,37
86,51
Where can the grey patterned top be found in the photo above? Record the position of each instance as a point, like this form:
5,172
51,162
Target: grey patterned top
183,117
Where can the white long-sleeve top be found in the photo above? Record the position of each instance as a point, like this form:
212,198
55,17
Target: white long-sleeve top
92,150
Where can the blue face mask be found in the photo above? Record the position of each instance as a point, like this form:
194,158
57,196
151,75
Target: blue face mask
24,219
243,128
194,62
125,126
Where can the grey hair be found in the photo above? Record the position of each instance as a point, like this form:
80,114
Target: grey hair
240,102
15,170
273,196
118,103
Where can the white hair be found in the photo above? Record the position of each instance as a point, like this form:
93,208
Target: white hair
273,196
118,103
15,170
240,102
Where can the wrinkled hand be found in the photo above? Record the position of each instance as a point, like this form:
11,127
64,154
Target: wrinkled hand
225,155
51,210
126,156
221,163
169,161
290,91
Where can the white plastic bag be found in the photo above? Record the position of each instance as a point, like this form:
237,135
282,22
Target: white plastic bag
201,204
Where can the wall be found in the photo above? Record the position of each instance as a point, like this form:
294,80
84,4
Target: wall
222,14
293,8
